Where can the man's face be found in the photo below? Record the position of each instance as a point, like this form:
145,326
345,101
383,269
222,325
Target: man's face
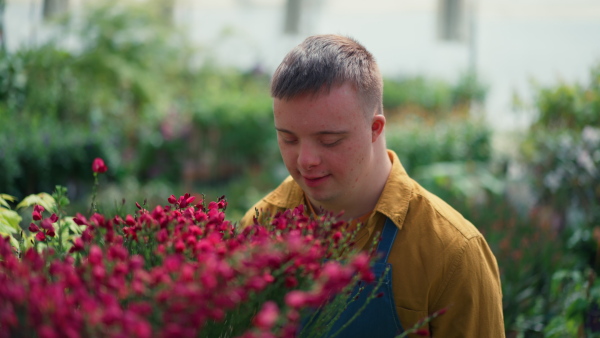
326,144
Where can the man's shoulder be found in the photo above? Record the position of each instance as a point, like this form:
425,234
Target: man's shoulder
410,205
431,211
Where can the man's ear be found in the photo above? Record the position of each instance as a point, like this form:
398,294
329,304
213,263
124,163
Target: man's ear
377,126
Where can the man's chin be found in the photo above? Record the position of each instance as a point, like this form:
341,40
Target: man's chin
319,199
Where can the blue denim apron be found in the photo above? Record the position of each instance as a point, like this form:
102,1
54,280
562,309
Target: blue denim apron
379,318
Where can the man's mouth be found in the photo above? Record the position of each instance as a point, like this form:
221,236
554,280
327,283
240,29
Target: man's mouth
314,181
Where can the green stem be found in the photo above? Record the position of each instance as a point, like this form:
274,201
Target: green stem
371,296
94,192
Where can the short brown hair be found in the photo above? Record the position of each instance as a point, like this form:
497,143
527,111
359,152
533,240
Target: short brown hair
323,61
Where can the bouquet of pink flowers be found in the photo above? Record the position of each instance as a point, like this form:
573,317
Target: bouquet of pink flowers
178,270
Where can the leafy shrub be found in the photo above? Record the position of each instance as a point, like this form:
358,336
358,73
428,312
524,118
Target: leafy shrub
418,143
562,153
567,106
37,152
562,161
430,94
229,126
130,84
436,97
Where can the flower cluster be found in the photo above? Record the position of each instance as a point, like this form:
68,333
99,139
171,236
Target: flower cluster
46,227
178,270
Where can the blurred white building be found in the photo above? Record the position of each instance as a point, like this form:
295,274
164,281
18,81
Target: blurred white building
508,42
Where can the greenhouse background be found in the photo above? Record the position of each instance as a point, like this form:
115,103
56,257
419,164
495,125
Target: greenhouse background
493,105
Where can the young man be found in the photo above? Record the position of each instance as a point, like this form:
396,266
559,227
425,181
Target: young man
330,129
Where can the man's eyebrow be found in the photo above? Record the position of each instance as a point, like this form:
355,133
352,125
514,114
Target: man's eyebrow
283,130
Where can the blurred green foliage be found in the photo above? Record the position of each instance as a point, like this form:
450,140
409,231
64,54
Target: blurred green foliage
560,159
121,83
36,155
418,143
569,106
433,95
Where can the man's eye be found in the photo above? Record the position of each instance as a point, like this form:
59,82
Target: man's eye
330,142
289,141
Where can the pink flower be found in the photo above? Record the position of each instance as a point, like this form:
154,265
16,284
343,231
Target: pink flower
267,317
95,255
440,312
136,262
36,215
46,224
291,282
77,245
37,212
98,166
40,236
337,236
129,220
296,299
33,228
80,219
179,246
422,332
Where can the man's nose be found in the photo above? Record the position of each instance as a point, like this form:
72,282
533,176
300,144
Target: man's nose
308,156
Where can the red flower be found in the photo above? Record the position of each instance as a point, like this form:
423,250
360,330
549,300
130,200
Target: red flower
440,312
422,332
98,166
33,228
77,245
40,236
296,299
267,316
36,216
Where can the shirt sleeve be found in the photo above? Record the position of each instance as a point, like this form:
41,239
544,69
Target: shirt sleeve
472,295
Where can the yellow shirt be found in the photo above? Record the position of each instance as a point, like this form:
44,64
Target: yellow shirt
439,259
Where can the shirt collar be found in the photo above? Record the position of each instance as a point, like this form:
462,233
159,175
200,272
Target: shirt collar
396,194
393,202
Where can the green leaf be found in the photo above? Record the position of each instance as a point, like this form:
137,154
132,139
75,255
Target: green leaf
577,309
43,199
6,230
74,227
10,219
4,198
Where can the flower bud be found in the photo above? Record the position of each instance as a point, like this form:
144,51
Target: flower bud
33,228
98,166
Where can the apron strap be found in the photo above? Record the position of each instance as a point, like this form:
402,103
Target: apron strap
388,235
